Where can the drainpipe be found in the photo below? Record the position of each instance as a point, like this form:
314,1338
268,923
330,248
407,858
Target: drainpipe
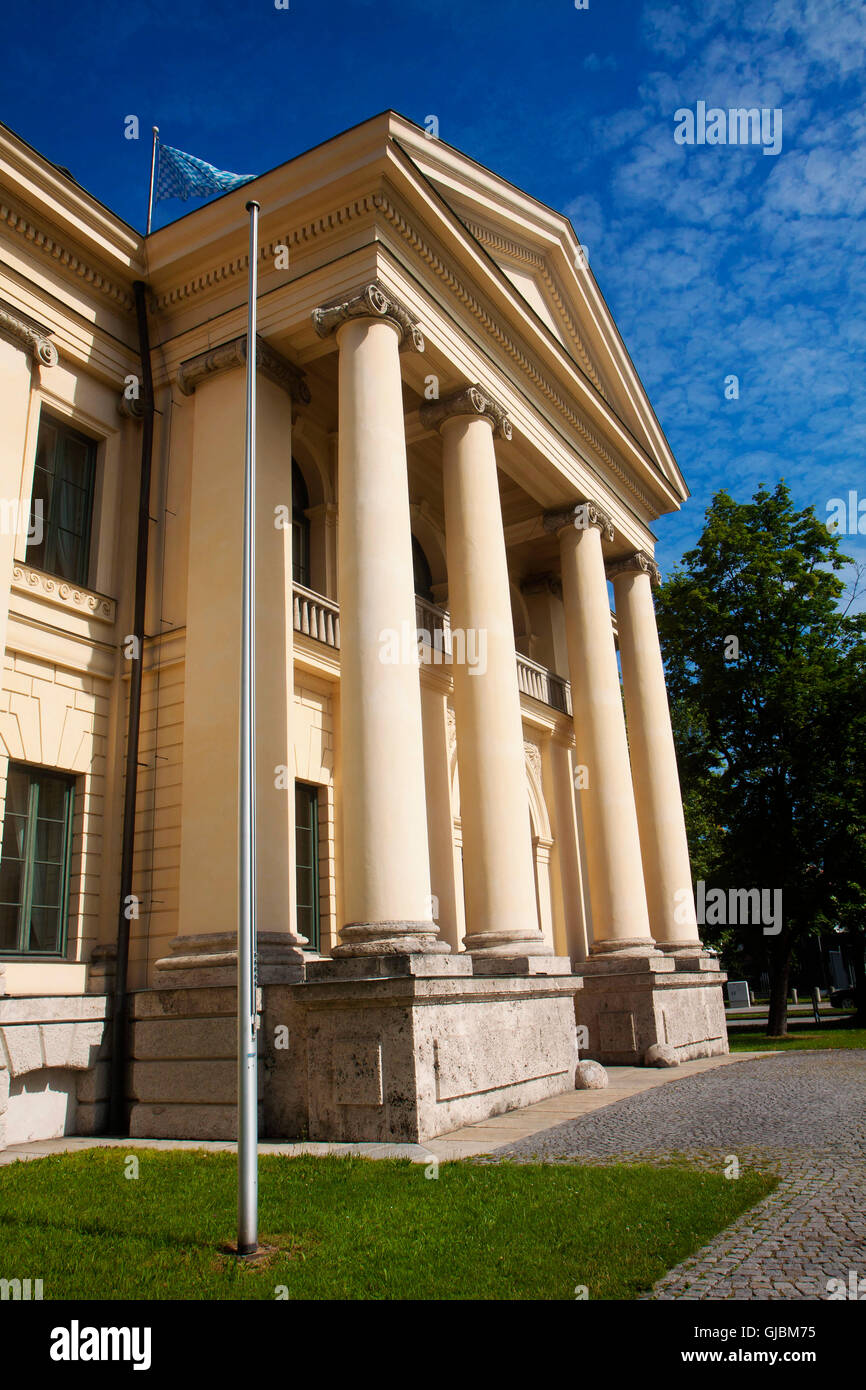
117,1117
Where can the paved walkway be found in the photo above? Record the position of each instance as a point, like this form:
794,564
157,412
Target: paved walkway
799,1114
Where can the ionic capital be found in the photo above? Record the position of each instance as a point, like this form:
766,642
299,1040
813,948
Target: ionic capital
469,400
372,302
29,334
234,354
641,562
581,517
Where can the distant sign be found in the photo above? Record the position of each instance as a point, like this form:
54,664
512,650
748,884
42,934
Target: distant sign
738,993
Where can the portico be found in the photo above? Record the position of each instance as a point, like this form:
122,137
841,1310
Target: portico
461,859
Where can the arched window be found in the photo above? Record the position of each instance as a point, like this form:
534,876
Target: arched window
422,573
300,528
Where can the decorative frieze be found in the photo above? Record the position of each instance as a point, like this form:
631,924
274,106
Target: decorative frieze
641,562
470,400
233,354
30,334
581,517
373,301
26,580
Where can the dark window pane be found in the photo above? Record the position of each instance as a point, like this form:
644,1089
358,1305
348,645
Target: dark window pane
47,885
52,798
8,927
50,835
44,933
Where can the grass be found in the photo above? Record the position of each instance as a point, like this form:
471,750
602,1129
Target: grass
828,1035
351,1228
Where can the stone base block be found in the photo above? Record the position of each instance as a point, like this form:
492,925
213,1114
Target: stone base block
183,1071
629,1004
405,1056
185,1122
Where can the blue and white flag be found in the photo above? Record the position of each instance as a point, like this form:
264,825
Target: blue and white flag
183,176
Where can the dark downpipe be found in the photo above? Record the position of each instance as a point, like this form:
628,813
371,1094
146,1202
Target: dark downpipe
117,1117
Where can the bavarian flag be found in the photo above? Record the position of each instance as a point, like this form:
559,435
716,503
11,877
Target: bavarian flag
183,176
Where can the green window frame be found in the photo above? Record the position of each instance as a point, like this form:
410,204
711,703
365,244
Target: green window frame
64,479
35,861
307,864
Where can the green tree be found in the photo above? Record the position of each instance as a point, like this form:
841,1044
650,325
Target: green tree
766,678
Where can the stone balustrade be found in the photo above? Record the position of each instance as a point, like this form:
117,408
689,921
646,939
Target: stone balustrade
319,617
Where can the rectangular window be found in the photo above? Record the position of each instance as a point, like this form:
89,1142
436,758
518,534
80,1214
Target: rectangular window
34,861
307,863
63,480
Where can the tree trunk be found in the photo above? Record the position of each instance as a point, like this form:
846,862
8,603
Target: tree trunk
857,942
780,969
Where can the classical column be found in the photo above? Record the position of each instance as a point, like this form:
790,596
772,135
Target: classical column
499,878
616,888
664,848
386,871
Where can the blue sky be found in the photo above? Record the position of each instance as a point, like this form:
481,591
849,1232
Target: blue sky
716,260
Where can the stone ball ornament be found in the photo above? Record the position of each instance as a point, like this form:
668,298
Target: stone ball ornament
590,1076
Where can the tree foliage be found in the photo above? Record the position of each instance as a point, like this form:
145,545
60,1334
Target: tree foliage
766,677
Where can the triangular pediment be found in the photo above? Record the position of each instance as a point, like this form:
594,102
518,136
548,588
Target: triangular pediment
539,253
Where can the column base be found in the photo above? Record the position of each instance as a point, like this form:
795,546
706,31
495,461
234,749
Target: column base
389,938
417,1047
492,943
633,946
630,1003
211,958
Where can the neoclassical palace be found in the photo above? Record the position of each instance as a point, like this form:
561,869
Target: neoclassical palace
472,862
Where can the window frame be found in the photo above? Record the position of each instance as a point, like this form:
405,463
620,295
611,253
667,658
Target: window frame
314,943
36,775
65,430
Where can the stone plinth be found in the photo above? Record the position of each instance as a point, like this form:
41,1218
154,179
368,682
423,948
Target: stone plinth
629,1003
405,1048
183,1051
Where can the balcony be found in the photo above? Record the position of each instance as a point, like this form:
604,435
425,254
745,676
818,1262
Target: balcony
319,617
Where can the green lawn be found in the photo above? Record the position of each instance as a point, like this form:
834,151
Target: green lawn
827,1035
351,1228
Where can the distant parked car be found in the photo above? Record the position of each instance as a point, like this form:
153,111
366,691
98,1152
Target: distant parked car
843,998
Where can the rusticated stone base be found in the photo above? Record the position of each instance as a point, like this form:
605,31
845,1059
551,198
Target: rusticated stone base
630,1003
53,1066
405,1048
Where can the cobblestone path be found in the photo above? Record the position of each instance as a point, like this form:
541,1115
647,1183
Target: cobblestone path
799,1114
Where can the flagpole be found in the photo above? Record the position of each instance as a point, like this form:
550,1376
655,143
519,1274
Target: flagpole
247,1017
152,174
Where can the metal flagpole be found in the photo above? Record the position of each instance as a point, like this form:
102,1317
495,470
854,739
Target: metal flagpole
247,1060
152,174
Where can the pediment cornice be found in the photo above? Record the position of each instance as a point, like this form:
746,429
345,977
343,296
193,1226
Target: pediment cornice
537,263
